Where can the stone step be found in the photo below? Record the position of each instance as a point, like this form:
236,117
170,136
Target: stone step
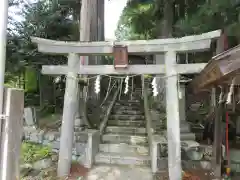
184,129
129,101
133,123
188,136
124,138
122,159
137,93
128,104
185,136
125,129
126,117
159,128
157,116
124,148
127,112
138,90
130,108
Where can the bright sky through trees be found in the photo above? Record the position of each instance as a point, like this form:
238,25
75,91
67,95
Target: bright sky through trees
113,10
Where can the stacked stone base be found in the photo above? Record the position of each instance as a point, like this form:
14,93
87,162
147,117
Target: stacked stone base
85,144
193,155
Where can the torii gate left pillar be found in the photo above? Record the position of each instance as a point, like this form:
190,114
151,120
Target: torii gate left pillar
69,115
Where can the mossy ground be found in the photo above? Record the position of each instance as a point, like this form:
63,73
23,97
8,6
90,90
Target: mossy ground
31,152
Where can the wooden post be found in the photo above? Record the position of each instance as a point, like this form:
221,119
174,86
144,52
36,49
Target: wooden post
182,104
173,118
11,134
3,37
217,145
69,114
217,134
218,140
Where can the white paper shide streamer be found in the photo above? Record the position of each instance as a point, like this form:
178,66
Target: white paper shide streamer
126,85
154,86
231,91
97,84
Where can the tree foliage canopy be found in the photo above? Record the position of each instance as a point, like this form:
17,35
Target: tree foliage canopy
52,19
59,19
144,20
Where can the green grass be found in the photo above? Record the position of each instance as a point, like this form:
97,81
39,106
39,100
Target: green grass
31,152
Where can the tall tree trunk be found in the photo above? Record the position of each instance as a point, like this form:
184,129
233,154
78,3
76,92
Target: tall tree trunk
89,25
97,34
87,16
165,32
167,28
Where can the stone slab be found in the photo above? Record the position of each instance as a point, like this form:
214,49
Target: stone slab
111,172
124,148
162,164
133,123
124,138
125,129
29,116
122,159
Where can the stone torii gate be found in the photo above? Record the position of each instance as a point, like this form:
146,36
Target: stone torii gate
169,47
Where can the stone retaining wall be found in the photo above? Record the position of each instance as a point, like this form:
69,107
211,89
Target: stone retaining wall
193,155
85,145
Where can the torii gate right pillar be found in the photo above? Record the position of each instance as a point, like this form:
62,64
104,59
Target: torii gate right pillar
160,59
173,117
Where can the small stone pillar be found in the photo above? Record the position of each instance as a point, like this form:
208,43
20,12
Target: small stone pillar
79,118
185,128
160,59
182,103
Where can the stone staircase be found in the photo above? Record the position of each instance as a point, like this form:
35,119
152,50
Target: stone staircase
158,116
124,141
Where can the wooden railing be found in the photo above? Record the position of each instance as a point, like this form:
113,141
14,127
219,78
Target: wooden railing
109,109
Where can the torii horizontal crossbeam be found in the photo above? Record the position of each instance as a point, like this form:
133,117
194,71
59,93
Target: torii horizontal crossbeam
188,43
132,69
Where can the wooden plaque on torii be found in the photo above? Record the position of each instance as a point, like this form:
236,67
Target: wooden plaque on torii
120,54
